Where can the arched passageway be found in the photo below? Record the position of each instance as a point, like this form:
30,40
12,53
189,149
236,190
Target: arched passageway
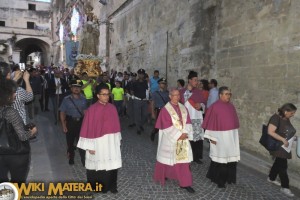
32,45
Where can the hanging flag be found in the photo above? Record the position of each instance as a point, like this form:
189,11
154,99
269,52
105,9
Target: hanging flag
71,52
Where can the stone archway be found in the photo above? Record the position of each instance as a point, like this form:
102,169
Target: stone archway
31,45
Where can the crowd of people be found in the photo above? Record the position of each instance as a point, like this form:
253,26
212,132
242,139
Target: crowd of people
89,110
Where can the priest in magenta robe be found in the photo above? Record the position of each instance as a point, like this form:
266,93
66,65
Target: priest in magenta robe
221,123
100,137
174,152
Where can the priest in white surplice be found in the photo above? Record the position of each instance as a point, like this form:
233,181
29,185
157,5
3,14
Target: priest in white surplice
221,124
100,136
195,102
174,152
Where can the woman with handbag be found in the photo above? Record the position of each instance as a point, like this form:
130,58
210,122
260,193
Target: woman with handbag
282,130
14,144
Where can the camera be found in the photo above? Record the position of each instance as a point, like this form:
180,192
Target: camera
22,66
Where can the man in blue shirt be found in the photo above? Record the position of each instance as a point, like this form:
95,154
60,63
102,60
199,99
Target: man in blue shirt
160,99
72,110
153,88
213,92
153,82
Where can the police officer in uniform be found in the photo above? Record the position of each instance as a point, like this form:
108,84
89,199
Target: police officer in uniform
72,110
160,99
140,102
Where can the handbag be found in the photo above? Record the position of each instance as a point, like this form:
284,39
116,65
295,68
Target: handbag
182,150
9,140
267,141
3,133
298,147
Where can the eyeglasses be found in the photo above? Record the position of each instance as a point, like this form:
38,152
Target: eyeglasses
105,94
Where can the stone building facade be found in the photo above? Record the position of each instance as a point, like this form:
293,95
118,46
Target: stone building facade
25,28
251,46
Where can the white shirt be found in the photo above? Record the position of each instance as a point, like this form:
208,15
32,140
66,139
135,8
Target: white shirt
58,83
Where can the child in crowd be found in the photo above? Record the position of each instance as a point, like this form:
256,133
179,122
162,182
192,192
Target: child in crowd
118,97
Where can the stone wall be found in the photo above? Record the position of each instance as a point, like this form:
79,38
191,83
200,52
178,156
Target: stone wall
250,46
141,28
23,4
257,56
16,13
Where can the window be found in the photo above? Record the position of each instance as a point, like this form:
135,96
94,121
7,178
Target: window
31,6
2,23
30,25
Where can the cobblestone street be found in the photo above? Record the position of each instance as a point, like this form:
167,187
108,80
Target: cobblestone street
49,163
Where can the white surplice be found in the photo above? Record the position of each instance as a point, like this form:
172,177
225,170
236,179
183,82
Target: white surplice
107,152
227,148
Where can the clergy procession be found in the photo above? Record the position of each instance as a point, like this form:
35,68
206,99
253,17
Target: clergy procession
179,124
185,124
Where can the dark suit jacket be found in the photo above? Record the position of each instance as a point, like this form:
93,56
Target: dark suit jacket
125,85
52,87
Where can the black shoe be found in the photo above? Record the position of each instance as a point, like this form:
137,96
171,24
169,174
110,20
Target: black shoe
189,189
131,125
141,128
71,162
231,182
138,132
46,110
114,191
198,162
152,136
221,185
83,163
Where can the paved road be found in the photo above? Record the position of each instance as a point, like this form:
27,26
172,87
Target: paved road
49,163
